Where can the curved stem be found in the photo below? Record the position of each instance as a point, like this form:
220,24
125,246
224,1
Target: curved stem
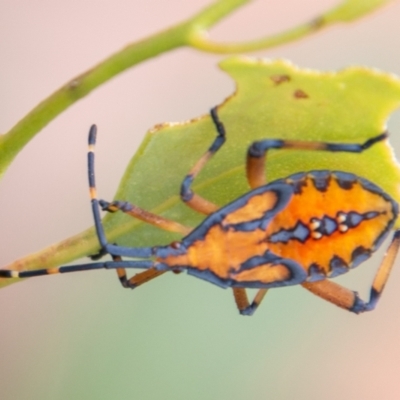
215,12
20,134
346,11
192,32
13,141
202,42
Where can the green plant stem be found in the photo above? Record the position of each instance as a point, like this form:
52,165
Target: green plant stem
192,32
19,135
346,11
12,142
201,41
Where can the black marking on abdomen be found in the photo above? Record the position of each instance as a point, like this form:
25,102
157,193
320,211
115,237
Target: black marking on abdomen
297,181
337,266
352,219
321,180
300,232
325,226
266,258
344,180
315,273
359,255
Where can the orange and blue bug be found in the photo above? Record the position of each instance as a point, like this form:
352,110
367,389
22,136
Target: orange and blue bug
303,229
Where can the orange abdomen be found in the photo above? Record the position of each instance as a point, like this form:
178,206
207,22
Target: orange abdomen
308,226
332,229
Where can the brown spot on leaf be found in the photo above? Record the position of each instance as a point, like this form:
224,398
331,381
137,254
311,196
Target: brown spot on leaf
300,94
278,79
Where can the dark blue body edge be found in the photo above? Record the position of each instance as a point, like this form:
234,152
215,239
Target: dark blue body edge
297,275
285,190
284,193
281,186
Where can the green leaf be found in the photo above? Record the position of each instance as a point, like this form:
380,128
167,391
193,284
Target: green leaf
274,99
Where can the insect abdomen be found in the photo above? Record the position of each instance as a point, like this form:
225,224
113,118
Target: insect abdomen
334,221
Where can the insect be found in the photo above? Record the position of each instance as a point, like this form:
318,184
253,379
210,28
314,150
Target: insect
303,229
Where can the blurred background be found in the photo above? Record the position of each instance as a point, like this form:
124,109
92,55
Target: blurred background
83,337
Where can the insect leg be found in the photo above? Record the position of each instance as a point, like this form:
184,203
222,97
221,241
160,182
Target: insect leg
257,153
152,219
144,216
138,279
117,263
107,248
348,299
192,199
114,250
242,301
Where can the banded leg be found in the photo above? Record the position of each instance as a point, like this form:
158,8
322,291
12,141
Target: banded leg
145,216
257,153
204,206
242,301
153,219
192,199
138,279
107,248
348,299
142,264
134,211
275,272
